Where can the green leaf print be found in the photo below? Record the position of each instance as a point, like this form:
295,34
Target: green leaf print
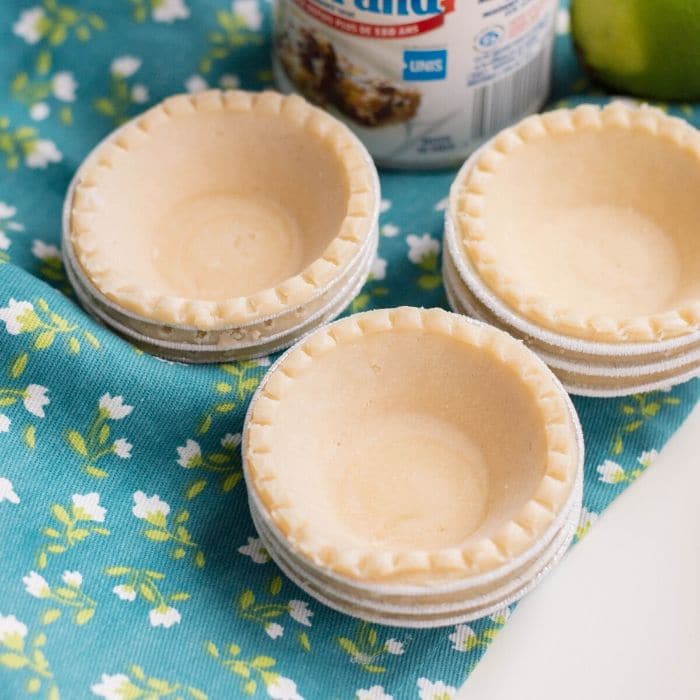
119,105
33,398
160,528
17,144
640,409
39,93
26,656
431,277
137,684
94,445
146,585
43,325
69,597
18,366
29,436
366,651
233,33
258,671
247,375
225,464
57,22
304,642
268,612
73,525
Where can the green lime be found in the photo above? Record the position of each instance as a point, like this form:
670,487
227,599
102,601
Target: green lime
649,48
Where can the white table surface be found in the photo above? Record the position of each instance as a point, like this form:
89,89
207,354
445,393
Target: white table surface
619,619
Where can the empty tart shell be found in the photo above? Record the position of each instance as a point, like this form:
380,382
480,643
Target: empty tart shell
594,374
426,606
410,446
584,222
222,209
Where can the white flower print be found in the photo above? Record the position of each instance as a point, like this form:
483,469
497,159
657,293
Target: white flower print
442,204
394,646
384,206
125,592
500,617
88,505
72,578
63,86
563,22
139,94
249,12
6,211
646,459
255,550
43,152
429,690
283,689
145,507
122,448
125,66
7,491
274,630
36,585
164,616
44,251
231,440
229,81
5,423
5,242
16,315
389,230
170,10
610,472
376,692
196,83
585,521
27,26
299,611
190,454
11,627
420,246
112,687
39,111
35,399
378,269
263,361
463,638
114,407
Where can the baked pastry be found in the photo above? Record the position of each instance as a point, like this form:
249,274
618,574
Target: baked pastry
592,369
410,446
220,209
584,221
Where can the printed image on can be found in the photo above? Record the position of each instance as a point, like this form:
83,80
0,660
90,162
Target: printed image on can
422,82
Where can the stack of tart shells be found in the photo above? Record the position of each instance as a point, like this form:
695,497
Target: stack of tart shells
245,326
406,605
447,586
595,356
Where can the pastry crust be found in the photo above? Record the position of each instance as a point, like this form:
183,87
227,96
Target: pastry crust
332,438
584,221
611,376
300,187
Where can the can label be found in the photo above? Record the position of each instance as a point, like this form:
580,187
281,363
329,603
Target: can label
421,82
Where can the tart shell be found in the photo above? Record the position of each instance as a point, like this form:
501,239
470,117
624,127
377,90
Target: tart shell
583,221
151,172
363,536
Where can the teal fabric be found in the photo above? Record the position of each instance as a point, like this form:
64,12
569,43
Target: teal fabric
130,567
